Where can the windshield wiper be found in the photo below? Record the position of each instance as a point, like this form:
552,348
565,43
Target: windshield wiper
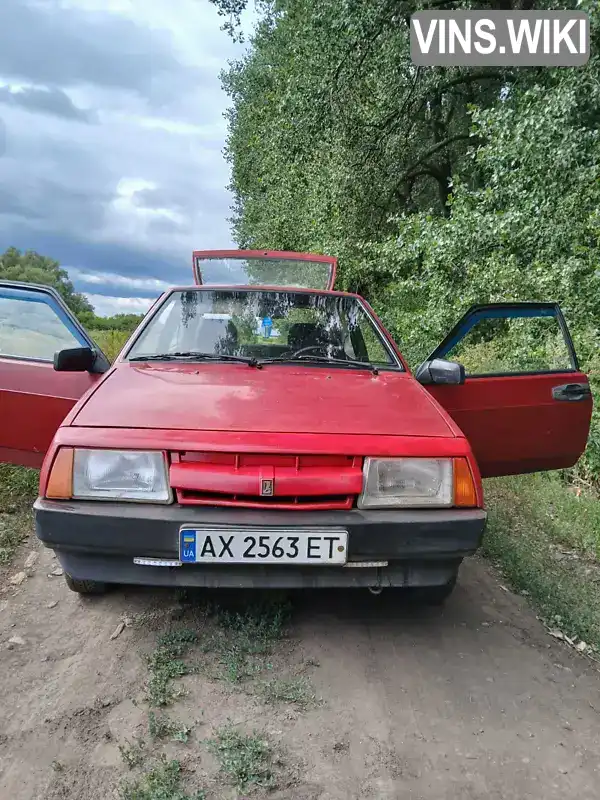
193,355
322,360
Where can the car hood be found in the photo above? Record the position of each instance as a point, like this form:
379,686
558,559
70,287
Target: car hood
275,399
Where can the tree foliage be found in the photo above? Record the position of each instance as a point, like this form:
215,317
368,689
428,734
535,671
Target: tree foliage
31,267
332,124
436,187
528,231
118,322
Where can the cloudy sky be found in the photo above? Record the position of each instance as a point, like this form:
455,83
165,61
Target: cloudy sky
111,132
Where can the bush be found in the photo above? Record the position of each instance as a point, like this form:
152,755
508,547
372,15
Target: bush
110,342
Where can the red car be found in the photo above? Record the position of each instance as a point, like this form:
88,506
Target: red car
260,429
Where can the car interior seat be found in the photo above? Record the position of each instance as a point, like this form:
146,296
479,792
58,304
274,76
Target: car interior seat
310,334
217,336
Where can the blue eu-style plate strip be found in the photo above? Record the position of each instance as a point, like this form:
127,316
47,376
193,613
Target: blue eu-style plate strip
187,546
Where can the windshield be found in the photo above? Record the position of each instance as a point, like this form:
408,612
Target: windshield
263,325
250,271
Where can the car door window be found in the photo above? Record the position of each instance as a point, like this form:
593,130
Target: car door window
363,343
31,327
517,341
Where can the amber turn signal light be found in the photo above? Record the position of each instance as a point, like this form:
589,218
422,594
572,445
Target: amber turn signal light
465,493
60,480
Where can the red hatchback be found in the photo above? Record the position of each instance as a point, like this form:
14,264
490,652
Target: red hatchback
260,429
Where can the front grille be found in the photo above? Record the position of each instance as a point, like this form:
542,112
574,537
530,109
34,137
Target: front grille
249,501
297,482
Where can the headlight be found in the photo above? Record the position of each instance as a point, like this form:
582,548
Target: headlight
406,482
120,475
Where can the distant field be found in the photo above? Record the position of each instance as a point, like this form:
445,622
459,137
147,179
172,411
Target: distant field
110,342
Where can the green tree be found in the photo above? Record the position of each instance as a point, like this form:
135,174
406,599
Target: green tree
436,188
32,267
334,133
529,229
118,322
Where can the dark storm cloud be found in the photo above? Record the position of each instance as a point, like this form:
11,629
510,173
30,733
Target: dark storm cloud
133,194
48,179
179,194
161,198
55,46
104,257
165,225
46,101
66,206
13,206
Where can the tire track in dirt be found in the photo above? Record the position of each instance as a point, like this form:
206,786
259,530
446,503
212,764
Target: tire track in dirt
473,701
454,703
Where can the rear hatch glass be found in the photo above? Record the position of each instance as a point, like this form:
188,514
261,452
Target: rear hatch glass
263,268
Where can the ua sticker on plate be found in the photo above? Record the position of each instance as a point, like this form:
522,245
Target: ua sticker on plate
188,546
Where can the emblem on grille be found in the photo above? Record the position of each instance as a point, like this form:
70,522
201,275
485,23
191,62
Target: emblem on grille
266,487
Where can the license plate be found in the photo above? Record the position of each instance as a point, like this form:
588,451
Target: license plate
263,546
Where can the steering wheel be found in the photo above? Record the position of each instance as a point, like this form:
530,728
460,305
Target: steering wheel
322,347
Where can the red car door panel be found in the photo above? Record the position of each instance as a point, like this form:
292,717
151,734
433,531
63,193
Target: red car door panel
34,398
34,401
515,425
519,422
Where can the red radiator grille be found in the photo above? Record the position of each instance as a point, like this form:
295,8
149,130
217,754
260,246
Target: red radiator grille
245,479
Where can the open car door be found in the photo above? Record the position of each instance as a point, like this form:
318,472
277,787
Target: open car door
524,404
34,398
263,268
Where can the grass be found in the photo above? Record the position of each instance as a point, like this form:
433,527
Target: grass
246,759
18,490
133,753
13,529
18,487
297,691
111,342
546,539
162,782
162,727
243,641
165,664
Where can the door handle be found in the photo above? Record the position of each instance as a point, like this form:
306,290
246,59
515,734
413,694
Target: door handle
571,392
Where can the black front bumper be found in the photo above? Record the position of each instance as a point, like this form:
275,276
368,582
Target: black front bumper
98,541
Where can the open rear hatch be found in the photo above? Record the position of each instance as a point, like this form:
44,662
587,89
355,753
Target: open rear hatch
264,268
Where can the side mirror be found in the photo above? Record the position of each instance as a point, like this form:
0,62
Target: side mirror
438,370
75,359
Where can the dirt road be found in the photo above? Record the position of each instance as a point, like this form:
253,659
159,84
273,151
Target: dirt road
474,701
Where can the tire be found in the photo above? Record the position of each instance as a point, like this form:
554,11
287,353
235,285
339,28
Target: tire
84,587
434,595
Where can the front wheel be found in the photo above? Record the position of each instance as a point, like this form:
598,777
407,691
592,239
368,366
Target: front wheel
84,587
